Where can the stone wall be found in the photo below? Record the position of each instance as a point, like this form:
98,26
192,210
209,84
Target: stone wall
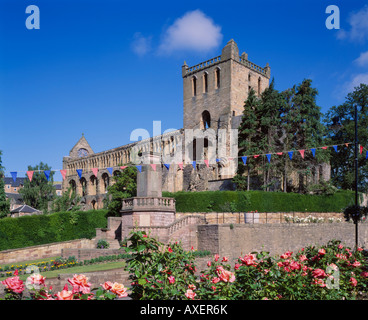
43,251
239,239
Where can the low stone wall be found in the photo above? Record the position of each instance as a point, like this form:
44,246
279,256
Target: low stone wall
43,251
88,254
260,217
239,239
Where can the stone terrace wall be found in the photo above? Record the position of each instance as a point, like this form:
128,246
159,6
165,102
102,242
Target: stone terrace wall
43,251
262,217
239,239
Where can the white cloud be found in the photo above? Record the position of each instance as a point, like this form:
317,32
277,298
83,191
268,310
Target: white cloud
141,45
193,31
358,22
362,60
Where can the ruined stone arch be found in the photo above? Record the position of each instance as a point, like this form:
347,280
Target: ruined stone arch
205,120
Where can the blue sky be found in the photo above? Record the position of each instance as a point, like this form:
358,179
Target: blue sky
105,68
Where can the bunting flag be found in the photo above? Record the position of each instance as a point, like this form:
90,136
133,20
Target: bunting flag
47,174
335,147
167,166
244,159
14,175
207,163
324,148
256,156
302,153
268,157
123,167
139,168
63,173
279,153
95,171
217,160
313,151
290,154
79,171
194,164
347,144
30,175
180,165
361,149
366,155
109,170
153,166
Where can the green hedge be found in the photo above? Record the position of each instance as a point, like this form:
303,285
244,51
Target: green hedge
262,201
62,226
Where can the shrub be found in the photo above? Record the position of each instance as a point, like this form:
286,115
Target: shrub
103,244
262,201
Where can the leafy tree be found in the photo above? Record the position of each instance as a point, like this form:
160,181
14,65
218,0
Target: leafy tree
69,201
248,140
38,192
125,186
4,203
342,162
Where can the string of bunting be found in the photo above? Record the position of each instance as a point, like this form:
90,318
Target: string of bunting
193,163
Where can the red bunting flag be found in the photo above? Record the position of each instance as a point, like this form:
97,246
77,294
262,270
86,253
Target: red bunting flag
95,170
63,173
123,167
206,162
153,166
347,144
324,148
180,165
302,153
256,156
30,175
279,153
361,149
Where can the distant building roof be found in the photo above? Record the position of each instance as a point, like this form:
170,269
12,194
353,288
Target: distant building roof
18,181
18,198
24,209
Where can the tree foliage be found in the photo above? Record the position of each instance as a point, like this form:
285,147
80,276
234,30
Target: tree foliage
341,123
38,192
125,186
4,203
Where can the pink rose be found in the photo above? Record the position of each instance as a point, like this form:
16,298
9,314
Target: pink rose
225,275
303,257
107,285
217,257
322,251
224,259
364,274
192,287
249,259
353,282
190,294
119,290
209,263
319,273
356,264
80,283
171,279
286,255
65,294
170,250
215,280
14,283
36,279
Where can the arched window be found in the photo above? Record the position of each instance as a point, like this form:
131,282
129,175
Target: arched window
194,86
217,78
205,82
83,182
106,181
206,120
73,185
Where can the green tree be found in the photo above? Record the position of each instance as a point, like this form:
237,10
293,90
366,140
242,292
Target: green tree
125,186
4,203
342,162
38,192
69,201
248,138
302,129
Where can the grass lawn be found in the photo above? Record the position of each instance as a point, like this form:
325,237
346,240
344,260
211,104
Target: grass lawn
81,269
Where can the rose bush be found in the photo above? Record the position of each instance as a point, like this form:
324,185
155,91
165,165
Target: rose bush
158,271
